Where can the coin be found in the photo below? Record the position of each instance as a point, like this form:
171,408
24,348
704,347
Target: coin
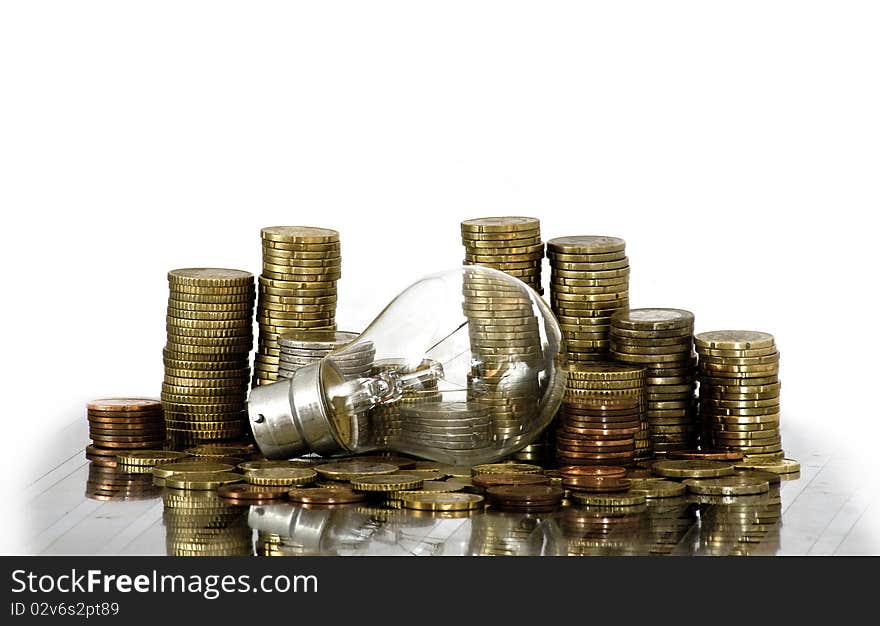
782,466
250,494
727,486
113,405
323,495
201,480
443,501
624,499
281,476
164,470
657,488
347,470
388,482
692,468
505,468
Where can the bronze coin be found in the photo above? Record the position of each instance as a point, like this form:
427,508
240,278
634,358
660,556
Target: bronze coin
130,445
126,418
607,471
601,456
248,493
705,455
325,495
124,404
498,480
525,494
629,428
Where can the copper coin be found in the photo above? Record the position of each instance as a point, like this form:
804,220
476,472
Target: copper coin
130,445
525,494
598,419
101,452
126,419
600,432
498,480
608,471
124,404
705,455
323,495
597,484
595,456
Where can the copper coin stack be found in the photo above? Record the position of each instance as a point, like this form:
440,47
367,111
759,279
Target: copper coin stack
111,483
589,282
739,391
661,341
120,424
301,265
595,479
601,414
210,336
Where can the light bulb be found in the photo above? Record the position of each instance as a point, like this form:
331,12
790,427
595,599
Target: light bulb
467,367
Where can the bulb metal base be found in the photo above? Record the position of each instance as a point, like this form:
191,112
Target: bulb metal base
290,417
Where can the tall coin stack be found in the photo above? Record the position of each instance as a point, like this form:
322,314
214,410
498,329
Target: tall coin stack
739,391
510,244
303,347
200,523
504,341
589,282
600,414
210,336
301,265
661,340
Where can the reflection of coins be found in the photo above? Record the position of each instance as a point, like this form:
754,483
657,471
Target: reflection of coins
321,495
609,499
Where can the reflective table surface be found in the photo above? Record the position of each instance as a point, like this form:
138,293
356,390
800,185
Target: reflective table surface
822,511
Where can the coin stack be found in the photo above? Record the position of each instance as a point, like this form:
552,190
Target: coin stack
210,336
589,282
505,351
117,424
301,265
303,347
445,425
200,523
739,391
510,244
739,525
601,414
385,419
113,483
661,340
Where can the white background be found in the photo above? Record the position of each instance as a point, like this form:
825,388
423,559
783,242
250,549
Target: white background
734,145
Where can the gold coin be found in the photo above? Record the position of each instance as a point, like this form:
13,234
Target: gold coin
441,501
734,339
388,482
299,234
506,224
739,485
781,466
202,480
586,244
164,470
281,476
209,276
692,469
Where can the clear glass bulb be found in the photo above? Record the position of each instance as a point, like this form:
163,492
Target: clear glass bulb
464,367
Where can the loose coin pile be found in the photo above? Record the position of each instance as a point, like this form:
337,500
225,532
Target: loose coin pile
117,424
303,347
446,425
510,244
589,282
386,420
210,336
661,340
301,265
739,391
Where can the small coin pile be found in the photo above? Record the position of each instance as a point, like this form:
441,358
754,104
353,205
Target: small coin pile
303,347
589,282
661,340
117,424
386,420
601,414
445,426
739,391
506,351
210,336
510,244
301,265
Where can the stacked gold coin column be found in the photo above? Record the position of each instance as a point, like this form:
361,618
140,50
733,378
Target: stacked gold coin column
661,340
210,336
739,391
301,265
589,282
513,245
510,244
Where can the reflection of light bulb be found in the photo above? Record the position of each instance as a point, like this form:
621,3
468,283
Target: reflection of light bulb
467,367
